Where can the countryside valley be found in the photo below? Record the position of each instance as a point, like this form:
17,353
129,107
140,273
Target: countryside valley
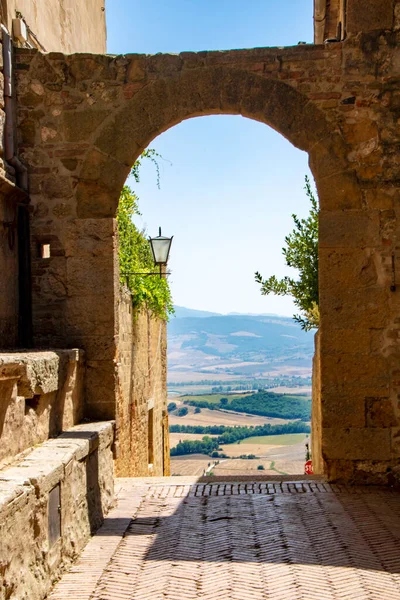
239,394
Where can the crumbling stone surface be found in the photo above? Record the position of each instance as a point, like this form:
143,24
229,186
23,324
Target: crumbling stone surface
81,462
41,394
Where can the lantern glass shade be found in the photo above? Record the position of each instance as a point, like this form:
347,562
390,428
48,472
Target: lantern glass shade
160,247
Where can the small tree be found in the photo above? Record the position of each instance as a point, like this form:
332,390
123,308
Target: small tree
171,406
182,412
301,252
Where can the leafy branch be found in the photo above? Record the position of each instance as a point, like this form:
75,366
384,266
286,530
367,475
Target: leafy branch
301,253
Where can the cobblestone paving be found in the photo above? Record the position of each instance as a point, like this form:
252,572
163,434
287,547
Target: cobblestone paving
284,541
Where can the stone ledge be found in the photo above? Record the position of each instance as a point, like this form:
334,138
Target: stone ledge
80,463
44,466
36,371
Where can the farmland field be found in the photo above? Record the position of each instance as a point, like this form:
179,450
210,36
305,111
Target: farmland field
174,438
271,440
192,464
278,454
212,398
217,417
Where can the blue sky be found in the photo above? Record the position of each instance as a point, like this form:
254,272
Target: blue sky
228,185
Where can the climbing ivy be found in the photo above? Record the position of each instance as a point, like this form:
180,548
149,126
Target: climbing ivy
135,256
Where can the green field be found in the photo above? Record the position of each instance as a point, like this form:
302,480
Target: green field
286,439
211,398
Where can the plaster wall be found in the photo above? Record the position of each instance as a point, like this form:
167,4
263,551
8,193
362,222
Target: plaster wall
62,25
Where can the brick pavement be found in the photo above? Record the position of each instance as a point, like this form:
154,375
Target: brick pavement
177,539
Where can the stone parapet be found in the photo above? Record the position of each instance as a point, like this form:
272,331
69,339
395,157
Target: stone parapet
50,503
41,394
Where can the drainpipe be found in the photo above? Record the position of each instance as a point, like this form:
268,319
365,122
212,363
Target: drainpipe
319,21
9,140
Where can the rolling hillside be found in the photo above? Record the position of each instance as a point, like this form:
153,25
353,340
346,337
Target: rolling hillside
208,345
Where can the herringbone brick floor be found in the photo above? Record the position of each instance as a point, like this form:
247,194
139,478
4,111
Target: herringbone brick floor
281,541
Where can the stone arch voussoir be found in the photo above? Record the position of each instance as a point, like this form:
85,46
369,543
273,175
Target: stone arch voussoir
165,102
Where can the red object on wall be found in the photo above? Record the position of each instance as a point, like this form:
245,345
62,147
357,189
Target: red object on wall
308,470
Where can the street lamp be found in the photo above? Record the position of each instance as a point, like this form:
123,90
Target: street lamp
160,247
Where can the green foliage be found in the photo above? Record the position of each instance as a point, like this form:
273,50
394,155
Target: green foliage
301,253
135,257
260,468
205,446
232,435
171,406
266,404
182,412
224,401
197,410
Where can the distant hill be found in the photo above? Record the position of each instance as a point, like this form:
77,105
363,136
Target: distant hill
181,313
239,345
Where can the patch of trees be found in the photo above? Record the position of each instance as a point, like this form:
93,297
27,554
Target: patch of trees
182,412
205,446
266,404
273,405
171,406
230,435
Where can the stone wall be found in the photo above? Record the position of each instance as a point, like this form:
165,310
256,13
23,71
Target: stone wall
142,394
38,540
84,119
62,25
338,19
41,394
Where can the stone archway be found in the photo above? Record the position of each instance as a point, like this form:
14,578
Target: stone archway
166,102
84,120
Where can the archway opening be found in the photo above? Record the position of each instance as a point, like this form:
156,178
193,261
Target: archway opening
239,368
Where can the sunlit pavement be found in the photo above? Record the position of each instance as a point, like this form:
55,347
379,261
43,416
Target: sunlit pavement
176,538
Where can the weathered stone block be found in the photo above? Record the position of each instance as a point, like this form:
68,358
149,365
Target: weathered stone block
356,444
349,229
379,412
341,408
369,15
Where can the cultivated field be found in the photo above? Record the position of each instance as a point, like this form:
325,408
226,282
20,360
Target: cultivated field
238,466
218,417
285,455
191,464
174,438
287,439
212,398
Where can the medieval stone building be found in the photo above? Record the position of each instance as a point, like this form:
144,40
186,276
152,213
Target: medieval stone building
73,124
